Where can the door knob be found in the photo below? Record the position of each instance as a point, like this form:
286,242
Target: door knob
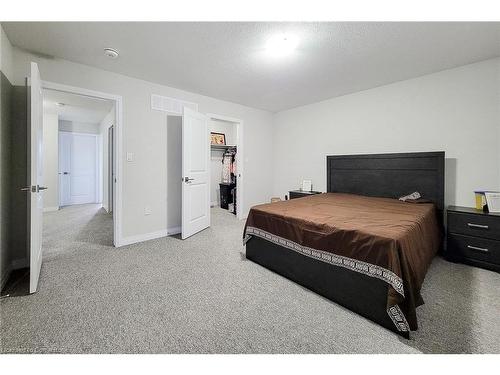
41,187
187,179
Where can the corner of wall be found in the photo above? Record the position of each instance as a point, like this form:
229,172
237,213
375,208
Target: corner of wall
6,55
5,152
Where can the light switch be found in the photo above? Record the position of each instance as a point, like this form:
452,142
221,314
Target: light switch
147,210
130,156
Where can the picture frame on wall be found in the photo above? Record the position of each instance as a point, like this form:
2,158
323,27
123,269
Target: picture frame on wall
217,138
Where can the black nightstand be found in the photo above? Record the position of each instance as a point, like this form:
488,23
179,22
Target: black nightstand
473,237
299,193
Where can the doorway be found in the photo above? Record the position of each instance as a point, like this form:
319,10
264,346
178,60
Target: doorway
36,177
75,148
40,179
226,164
189,156
107,130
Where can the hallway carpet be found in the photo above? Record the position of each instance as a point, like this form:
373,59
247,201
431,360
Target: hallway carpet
202,296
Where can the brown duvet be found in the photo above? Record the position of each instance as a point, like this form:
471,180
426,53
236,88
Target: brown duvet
381,237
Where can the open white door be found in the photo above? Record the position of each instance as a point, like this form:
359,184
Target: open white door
35,173
195,173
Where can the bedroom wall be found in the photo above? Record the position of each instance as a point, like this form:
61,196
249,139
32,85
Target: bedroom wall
174,171
455,110
145,135
5,152
18,176
6,56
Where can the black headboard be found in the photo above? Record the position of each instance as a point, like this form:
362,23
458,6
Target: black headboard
388,175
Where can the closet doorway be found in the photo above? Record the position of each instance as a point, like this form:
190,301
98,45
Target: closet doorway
226,164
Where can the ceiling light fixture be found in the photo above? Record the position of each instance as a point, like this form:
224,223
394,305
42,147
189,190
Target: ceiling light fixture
111,52
281,45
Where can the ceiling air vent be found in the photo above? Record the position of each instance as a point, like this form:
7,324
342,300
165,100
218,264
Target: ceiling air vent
170,105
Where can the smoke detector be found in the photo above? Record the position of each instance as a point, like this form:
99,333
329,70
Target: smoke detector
111,52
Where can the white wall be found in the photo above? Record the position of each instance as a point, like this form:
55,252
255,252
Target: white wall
456,111
50,161
215,176
225,127
174,172
6,56
5,152
145,135
229,129
79,127
104,126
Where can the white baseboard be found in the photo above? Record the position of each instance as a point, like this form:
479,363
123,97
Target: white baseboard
143,237
174,230
213,204
149,236
51,209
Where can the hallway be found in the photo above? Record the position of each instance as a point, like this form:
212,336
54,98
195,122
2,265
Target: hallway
86,226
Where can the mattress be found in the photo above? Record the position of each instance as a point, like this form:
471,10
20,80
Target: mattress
383,238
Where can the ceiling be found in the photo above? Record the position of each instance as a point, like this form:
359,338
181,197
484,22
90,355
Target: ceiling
76,108
228,60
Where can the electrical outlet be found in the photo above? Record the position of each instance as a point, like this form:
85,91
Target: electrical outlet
147,210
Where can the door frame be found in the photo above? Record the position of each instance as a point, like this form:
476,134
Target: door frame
111,161
118,147
98,166
239,159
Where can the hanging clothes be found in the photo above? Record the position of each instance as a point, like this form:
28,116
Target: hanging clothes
228,180
229,166
233,165
226,168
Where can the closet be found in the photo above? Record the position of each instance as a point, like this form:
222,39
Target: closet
223,155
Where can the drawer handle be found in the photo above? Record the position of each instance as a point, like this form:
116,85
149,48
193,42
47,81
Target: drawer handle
484,250
477,226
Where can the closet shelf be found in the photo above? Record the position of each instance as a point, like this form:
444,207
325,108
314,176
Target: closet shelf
221,147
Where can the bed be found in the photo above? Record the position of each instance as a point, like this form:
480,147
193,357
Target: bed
356,244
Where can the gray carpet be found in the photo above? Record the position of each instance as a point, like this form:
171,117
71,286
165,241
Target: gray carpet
202,296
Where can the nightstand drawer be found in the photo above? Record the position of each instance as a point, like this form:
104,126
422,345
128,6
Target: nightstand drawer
474,248
474,225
